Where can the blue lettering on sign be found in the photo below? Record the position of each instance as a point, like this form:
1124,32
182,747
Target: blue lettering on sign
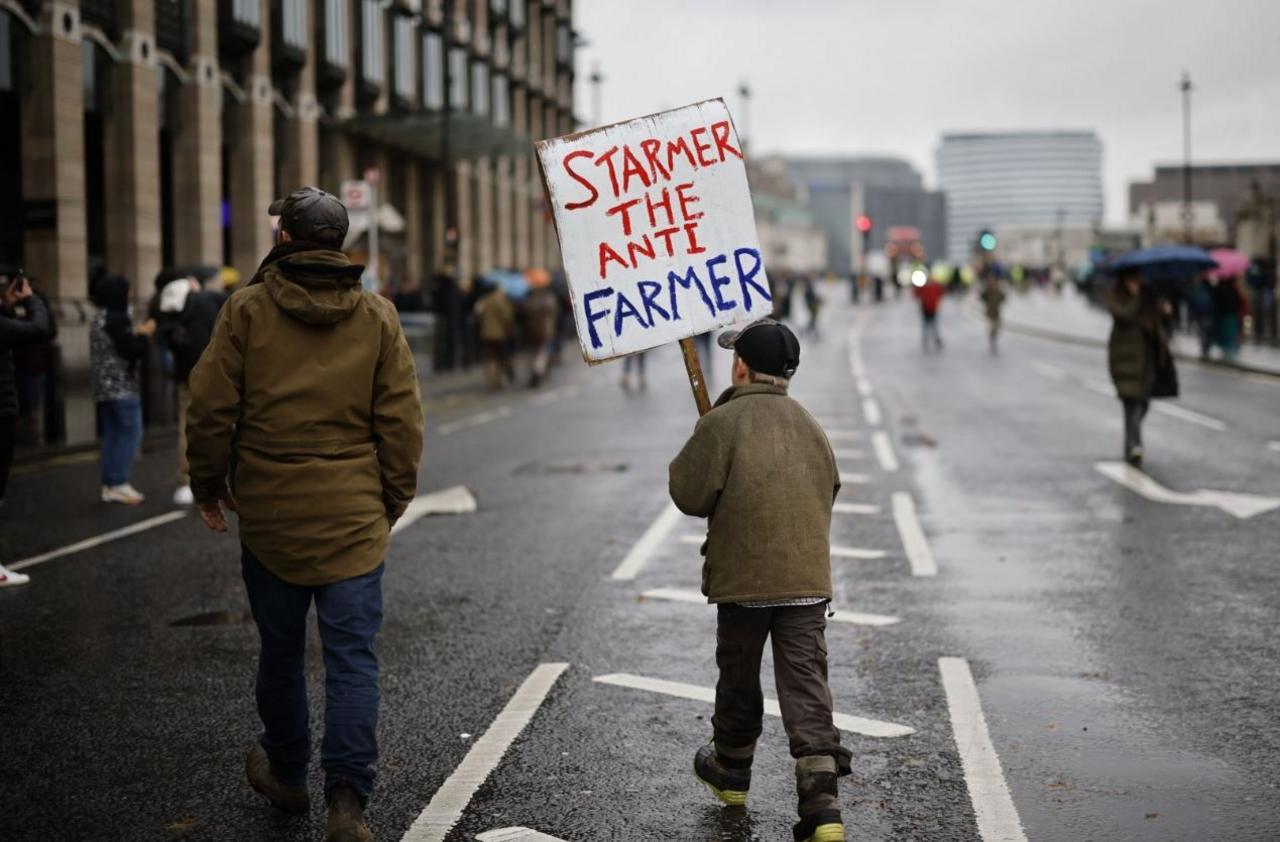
649,292
747,277
690,278
592,318
718,282
626,308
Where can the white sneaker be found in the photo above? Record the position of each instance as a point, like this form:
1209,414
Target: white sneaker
125,493
183,496
8,578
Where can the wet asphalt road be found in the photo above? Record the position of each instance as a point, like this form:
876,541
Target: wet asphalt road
1124,650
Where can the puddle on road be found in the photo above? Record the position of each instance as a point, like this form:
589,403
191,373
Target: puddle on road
215,618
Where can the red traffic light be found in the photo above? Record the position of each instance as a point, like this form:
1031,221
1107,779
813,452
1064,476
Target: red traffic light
864,223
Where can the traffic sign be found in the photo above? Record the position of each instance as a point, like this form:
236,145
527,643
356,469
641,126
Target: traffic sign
356,195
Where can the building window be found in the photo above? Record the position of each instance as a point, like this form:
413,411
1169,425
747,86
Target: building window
501,100
6,54
479,87
457,78
403,33
433,70
334,37
102,14
497,10
516,15
171,28
372,64
239,26
293,23
564,45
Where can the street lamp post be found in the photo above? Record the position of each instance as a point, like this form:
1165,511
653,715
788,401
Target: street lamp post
597,109
453,303
1188,228
745,135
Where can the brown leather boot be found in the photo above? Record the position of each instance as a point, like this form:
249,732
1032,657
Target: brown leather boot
287,799
346,816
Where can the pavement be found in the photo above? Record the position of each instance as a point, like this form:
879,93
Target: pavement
1025,645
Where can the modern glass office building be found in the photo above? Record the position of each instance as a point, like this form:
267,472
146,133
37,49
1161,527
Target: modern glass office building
1026,179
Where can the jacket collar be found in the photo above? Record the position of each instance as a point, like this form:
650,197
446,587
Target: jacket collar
750,389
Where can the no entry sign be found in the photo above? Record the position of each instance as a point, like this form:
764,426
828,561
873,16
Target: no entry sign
656,229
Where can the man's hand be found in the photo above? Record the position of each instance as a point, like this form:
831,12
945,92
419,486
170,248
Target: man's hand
211,511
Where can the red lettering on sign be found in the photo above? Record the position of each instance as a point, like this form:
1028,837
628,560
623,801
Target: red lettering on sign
691,229
595,194
701,147
652,152
685,201
608,254
720,133
664,203
666,235
607,159
625,210
679,145
631,167
634,248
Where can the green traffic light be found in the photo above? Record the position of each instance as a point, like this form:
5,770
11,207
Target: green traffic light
987,241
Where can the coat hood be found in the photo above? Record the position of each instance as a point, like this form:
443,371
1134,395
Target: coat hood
111,293
317,287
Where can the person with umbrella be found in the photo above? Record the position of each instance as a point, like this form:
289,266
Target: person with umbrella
1138,354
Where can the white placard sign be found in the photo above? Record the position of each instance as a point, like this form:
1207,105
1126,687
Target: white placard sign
656,229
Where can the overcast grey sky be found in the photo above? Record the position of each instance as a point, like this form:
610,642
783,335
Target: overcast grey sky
858,76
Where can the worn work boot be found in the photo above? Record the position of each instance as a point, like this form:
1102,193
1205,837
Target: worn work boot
818,801
287,799
346,816
726,772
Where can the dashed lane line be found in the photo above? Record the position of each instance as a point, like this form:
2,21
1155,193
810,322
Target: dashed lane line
1242,506
1273,446
1104,389
843,721
997,818
913,540
649,541
849,453
1050,371
871,411
451,799
853,479
516,834
855,509
855,618
844,435
476,420
864,387
884,451
99,540
555,395
856,552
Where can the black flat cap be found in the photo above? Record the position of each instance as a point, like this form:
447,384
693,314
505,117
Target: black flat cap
307,211
766,346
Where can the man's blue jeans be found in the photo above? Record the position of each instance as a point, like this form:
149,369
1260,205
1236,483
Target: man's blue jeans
121,435
349,614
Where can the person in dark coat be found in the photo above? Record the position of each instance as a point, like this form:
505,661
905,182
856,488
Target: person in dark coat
24,320
1138,356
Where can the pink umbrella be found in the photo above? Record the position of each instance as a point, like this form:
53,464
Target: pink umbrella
1231,263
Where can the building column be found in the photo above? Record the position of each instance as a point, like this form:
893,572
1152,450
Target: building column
484,229
466,228
435,216
131,148
197,149
55,241
415,225
504,228
300,165
252,164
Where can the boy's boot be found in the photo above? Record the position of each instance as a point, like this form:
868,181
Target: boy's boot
293,800
725,770
346,816
819,804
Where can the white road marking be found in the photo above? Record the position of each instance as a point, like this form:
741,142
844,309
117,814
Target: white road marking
855,509
856,367
1274,446
453,796
457,500
864,387
871,411
993,807
843,721
884,451
847,478
1105,389
849,453
476,420
843,435
1240,505
516,834
1189,415
912,534
1050,371
856,552
648,542
547,398
99,540
692,539
855,618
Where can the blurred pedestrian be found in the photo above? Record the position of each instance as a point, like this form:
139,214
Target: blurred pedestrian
497,317
993,303
186,314
768,571
24,321
812,303
930,294
1138,355
116,350
309,380
541,310
636,362
1230,307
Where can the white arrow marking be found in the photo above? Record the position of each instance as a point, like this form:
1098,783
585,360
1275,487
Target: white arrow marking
516,834
884,451
871,411
1234,503
855,618
843,721
474,420
457,500
855,509
1190,415
854,552
98,541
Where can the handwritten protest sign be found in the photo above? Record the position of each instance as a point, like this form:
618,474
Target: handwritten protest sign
656,229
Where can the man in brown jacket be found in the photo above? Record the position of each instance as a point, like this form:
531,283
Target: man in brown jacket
307,393
760,468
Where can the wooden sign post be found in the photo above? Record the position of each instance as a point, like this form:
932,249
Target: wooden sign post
657,233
